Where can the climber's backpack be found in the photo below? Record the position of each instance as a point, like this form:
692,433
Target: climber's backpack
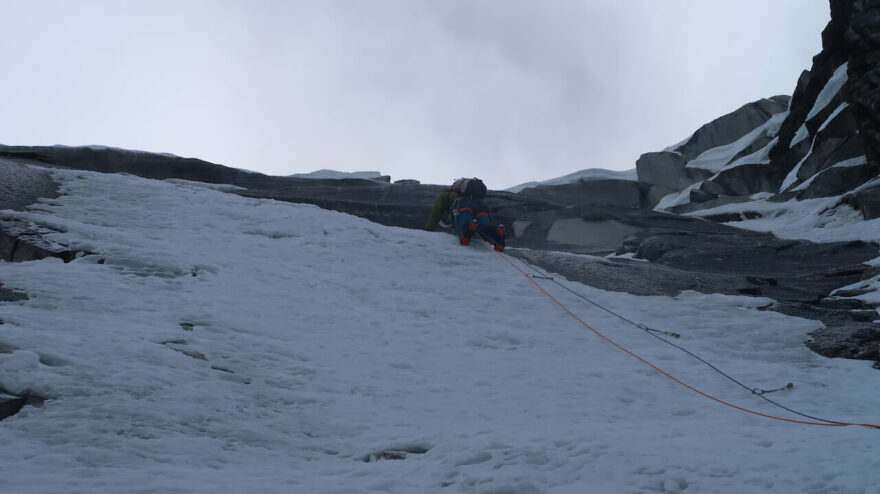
474,187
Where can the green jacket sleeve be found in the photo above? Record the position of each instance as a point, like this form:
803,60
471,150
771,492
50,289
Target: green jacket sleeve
442,203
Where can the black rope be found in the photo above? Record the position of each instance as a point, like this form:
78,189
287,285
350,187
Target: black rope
654,332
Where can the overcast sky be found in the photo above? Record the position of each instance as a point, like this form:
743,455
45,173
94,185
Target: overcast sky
506,90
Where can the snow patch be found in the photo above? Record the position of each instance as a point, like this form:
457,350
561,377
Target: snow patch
715,159
676,198
761,156
832,87
588,175
801,134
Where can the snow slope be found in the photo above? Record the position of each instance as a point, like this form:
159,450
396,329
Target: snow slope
324,173
217,343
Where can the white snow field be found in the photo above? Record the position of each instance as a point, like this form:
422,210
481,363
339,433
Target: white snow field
228,344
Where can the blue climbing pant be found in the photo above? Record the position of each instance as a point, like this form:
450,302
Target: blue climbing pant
471,209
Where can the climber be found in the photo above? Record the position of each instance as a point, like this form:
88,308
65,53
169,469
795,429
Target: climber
462,206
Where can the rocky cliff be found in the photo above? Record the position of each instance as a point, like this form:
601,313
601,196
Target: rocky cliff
822,142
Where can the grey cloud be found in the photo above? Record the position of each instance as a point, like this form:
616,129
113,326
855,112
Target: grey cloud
507,90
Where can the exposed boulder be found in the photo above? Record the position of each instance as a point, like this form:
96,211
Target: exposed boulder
662,168
666,173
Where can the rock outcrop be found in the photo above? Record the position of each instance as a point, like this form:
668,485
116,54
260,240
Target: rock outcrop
863,36
693,161
619,193
823,142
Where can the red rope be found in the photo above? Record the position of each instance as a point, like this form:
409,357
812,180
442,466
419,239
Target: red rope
661,371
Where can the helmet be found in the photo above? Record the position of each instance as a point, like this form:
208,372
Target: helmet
459,185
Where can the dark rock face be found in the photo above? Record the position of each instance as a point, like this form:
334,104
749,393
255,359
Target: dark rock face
20,185
833,117
748,179
620,193
828,144
838,141
834,54
863,39
852,37
804,271
867,201
836,181
110,160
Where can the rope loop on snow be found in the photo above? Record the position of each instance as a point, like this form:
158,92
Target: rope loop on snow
765,391
658,331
